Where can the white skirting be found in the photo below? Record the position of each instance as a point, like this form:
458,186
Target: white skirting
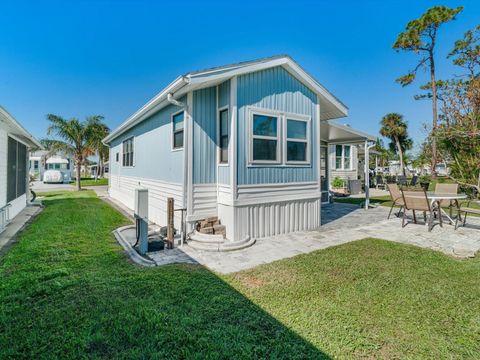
269,219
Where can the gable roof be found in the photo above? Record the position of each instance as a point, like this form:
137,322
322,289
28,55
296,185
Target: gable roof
14,128
330,106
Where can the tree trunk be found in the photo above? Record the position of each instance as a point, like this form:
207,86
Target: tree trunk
400,154
434,113
79,175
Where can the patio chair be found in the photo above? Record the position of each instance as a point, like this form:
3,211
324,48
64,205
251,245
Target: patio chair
414,180
379,182
418,201
402,180
447,189
397,198
466,210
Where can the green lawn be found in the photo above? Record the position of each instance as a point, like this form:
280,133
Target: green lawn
91,182
68,291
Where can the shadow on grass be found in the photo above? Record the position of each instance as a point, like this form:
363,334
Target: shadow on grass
67,290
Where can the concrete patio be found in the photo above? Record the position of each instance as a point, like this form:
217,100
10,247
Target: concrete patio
342,223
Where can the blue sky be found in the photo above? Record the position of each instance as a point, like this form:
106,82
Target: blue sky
85,57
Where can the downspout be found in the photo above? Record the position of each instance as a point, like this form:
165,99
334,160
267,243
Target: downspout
172,100
367,173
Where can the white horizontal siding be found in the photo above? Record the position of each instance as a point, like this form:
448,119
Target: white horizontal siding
275,190
17,205
3,166
204,201
122,188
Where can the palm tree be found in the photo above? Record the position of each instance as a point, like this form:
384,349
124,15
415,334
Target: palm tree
74,138
100,131
395,128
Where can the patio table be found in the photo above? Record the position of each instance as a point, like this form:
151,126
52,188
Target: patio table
438,197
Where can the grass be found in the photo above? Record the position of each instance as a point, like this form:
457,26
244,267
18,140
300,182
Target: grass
91,182
68,291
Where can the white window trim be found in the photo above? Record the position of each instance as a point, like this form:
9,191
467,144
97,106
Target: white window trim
173,132
251,136
350,167
134,152
281,138
307,141
219,110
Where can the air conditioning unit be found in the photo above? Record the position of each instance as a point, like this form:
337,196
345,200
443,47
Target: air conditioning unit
141,203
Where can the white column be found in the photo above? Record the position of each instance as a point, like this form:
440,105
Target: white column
367,176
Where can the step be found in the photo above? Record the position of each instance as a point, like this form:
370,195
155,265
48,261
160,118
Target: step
238,245
214,247
220,247
206,238
228,243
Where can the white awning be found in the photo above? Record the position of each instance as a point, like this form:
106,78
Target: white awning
343,134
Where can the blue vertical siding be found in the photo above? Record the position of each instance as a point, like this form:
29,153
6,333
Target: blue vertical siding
224,100
204,136
274,89
153,155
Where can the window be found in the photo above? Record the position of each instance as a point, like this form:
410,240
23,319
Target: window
297,141
343,157
16,169
279,138
223,136
347,150
177,128
127,152
339,157
35,164
117,156
264,147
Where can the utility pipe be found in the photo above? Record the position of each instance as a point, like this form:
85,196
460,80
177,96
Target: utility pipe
171,100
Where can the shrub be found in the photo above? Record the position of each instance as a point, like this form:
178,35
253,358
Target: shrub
338,182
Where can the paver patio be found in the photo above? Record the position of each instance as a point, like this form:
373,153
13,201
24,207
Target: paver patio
342,223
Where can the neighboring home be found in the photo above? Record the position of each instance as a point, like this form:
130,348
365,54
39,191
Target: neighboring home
59,166
243,142
15,146
346,151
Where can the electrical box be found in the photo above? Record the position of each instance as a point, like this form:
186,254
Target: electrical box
141,203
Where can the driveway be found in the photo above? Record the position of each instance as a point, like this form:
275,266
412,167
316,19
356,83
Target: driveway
39,186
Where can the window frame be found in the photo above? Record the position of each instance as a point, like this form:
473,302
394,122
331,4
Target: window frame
307,141
265,112
219,136
133,152
343,167
173,132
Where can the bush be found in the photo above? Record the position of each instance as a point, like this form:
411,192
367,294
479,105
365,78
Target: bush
338,182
